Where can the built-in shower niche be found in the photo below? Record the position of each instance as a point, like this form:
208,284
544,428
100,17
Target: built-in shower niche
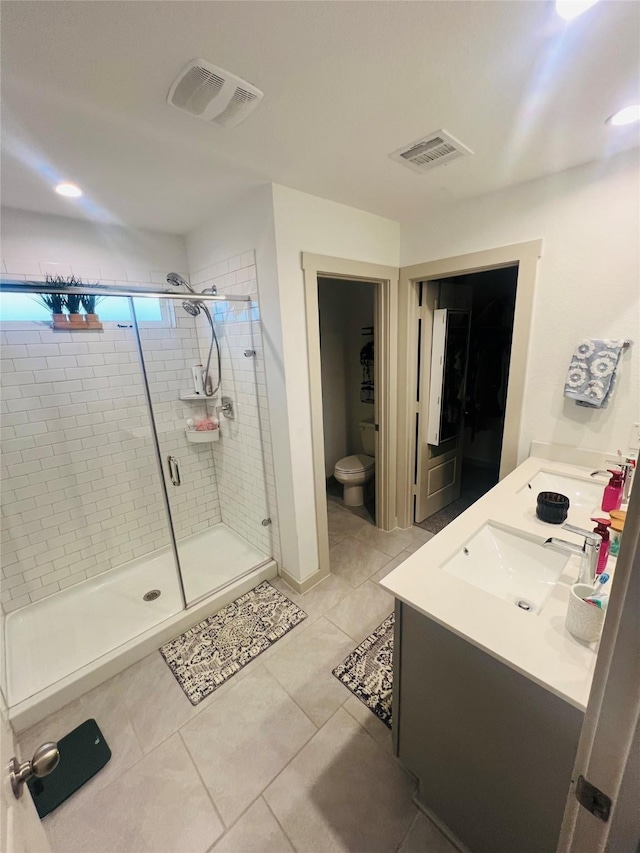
92,520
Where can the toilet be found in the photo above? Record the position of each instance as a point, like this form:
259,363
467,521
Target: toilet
354,471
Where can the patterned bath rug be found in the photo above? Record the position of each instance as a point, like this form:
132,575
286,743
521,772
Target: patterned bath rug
368,671
207,655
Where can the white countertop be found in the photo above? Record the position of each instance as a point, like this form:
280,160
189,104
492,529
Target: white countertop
535,644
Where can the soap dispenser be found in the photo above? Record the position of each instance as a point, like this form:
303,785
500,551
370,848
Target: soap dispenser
612,497
602,529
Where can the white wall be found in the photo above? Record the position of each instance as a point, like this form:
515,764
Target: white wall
588,284
333,362
305,223
359,306
34,244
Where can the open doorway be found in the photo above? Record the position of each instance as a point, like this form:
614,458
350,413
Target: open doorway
466,390
347,359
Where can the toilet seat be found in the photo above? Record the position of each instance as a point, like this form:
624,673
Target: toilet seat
355,464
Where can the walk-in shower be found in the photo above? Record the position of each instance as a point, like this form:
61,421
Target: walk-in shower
123,524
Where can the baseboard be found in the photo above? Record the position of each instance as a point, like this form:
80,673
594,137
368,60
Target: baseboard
440,826
305,585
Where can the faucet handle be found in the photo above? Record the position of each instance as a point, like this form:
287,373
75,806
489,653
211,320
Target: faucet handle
590,536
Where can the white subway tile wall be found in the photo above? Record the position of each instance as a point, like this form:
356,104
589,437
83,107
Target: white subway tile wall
243,456
80,486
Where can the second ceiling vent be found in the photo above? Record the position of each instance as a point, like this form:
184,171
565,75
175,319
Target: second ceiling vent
436,149
209,92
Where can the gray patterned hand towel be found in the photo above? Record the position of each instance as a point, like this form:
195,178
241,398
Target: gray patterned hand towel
592,372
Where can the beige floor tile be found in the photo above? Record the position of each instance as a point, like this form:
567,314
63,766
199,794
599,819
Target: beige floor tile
159,805
343,524
342,793
243,740
155,701
370,723
390,543
304,669
425,837
420,537
105,705
320,598
257,831
390,566
355,562
360,612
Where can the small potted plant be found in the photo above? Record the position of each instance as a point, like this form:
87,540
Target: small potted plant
72,303
89,302
54,302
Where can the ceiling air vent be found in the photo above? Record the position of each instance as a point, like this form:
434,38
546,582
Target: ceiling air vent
436,149
208,92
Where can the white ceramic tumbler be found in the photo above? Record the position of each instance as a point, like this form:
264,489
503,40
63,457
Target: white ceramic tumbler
584,620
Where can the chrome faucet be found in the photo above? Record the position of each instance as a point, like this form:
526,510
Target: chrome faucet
588,552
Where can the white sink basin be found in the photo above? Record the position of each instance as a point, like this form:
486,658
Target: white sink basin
583,494
508,565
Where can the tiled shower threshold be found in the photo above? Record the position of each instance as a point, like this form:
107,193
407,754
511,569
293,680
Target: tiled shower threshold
59,647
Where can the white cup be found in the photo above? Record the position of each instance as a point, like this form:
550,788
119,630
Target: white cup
584,620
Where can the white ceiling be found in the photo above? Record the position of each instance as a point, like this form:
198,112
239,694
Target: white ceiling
346,83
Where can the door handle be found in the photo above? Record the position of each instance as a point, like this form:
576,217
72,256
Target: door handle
174,470
45,760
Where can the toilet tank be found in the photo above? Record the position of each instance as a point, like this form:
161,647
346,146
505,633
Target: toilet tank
368,436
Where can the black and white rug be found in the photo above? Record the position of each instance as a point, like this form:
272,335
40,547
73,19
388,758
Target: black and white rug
207,655
368,671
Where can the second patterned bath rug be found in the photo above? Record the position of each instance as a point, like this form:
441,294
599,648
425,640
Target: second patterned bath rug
368,671
207,655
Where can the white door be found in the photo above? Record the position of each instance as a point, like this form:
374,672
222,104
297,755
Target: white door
443,312
608,756
21,830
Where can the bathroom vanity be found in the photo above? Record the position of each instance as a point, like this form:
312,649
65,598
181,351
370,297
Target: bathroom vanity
490,689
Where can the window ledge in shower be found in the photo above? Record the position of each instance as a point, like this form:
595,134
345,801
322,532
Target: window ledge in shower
203,436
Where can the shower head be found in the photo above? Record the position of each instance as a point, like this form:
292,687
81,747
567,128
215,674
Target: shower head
192,308
177,281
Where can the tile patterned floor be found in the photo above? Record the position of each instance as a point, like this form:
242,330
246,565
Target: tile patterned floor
281,758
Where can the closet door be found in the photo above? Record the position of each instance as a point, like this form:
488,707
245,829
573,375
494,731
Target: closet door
443,345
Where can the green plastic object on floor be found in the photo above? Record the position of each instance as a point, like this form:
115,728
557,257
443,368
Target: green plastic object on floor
83,753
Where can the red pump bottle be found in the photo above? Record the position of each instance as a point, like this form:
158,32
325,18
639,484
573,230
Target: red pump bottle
612,497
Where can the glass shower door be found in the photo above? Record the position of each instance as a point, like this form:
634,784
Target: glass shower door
87,554
214,478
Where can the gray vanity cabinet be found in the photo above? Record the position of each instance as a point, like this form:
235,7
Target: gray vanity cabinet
492,750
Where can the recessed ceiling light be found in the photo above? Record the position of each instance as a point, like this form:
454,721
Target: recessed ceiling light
69,190
626,116
570,9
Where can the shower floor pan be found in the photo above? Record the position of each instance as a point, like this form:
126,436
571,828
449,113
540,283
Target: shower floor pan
59,647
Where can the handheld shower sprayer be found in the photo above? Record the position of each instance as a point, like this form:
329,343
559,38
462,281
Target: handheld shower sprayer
194,309
176,280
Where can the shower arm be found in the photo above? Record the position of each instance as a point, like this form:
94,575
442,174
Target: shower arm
100,290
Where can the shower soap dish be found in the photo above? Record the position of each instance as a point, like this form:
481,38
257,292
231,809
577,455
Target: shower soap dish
202,436
189,396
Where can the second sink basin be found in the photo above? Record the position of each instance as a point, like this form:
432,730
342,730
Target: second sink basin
508,565
583,494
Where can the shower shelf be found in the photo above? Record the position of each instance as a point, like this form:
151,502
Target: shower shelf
195,398
202,436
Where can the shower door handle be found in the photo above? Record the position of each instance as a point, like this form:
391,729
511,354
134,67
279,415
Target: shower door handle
174,470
